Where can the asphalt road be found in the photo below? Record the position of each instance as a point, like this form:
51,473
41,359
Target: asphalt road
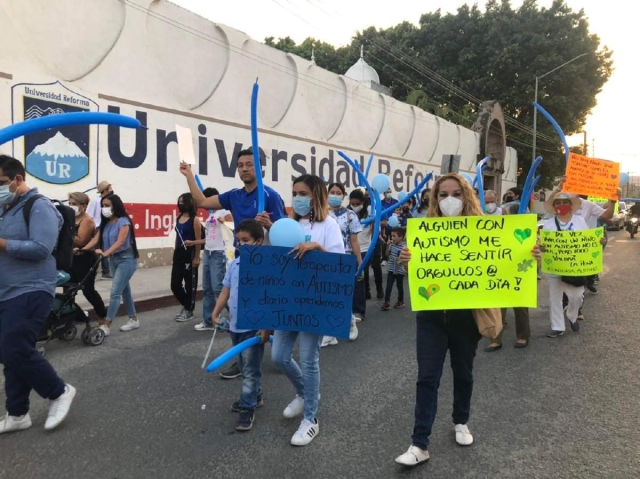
563,408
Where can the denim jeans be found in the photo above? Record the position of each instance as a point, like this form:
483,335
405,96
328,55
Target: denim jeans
123,266
306,381
399,280
250,363
25,369
106,269
437,332
214,267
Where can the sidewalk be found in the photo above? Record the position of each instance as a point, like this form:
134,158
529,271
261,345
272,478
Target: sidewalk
150,286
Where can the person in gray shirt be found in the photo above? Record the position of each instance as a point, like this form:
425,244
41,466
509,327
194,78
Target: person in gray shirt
27,288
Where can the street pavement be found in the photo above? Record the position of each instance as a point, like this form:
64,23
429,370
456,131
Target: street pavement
561,408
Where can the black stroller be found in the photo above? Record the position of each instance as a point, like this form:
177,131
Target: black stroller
65,314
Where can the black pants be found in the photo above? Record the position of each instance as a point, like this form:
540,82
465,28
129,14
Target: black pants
399,280
25,369
82,264
184,278
437,332
377,271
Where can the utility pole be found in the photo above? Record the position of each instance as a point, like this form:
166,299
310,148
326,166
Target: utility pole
584,144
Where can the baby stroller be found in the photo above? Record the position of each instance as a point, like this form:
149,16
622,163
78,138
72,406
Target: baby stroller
65,313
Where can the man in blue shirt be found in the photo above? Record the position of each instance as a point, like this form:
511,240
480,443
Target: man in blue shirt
27,288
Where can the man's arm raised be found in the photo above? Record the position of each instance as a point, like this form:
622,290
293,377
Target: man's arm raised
199,199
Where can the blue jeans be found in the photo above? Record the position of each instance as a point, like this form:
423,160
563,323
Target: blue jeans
437,332
123,265
25,369
105,266
306,381
214,267
250,362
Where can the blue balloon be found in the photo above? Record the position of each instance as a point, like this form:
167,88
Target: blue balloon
394,222
224,358
369,166
555,125
381,183
624,179
286,232
254,146
65,119
467,177
401,196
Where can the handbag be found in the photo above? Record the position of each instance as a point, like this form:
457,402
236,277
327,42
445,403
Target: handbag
489,322
576,281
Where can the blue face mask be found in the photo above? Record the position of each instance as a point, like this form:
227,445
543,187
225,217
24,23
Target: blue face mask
335,201
388,196
6,196
301,205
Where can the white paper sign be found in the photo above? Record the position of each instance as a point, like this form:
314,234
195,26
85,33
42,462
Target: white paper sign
185,145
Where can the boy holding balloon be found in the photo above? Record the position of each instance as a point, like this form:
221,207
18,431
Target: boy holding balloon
248,232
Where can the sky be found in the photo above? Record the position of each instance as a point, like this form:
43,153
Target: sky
609,128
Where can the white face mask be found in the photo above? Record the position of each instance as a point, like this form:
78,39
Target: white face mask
107,212
451,206
491,207
76,209
357,209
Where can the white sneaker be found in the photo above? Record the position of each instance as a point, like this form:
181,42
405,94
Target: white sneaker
353,332
358,318
413,457
60,408
130,325
106,329
306,433
328,341
204,327
295,408
463,436
14,423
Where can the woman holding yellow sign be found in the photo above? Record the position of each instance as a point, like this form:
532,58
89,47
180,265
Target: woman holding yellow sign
439,331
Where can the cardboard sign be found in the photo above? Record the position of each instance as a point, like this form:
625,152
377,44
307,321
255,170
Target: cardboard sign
185,145
572,253
313,294
472,262
592,177
600,201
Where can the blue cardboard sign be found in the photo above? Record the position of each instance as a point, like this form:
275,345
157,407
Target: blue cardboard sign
312,294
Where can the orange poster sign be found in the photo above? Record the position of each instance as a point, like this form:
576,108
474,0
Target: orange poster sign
591,177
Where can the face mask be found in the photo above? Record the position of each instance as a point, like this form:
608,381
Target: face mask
357,209
563,210
388,196
335,200
491,208
301,205
107,212
451,206
6,196
76,209
508,198
182,208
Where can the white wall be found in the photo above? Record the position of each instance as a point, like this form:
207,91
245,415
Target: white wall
167,65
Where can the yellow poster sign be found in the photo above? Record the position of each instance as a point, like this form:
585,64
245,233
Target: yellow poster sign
600,200
572,253
472,262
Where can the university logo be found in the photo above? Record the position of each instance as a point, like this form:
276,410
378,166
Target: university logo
58,156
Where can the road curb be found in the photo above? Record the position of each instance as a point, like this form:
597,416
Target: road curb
146,305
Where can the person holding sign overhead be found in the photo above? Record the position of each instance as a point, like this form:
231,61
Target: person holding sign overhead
439,331
322,233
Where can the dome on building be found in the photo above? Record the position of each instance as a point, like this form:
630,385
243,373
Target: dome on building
362,72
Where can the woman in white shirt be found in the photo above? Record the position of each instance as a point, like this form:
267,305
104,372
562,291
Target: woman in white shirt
322,233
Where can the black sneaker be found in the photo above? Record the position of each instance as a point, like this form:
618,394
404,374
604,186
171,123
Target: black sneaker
231,373
235,407
592,288
554,334
368,294
107,276
380,295
245,421
575,326
596,279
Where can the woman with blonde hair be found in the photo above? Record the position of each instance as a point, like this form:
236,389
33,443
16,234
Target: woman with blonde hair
439,331
322,233
83,261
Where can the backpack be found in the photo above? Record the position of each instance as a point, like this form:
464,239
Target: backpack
63,252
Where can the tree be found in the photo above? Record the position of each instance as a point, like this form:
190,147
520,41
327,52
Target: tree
492,55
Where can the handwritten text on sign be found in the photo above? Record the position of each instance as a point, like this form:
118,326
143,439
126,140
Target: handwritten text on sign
592,177
572,253
472,262
313,294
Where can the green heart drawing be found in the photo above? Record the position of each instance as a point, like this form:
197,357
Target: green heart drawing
546,233
595,254
548,261
599,232
522,235
426,293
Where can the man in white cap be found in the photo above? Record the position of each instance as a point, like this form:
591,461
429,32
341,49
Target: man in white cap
104,189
